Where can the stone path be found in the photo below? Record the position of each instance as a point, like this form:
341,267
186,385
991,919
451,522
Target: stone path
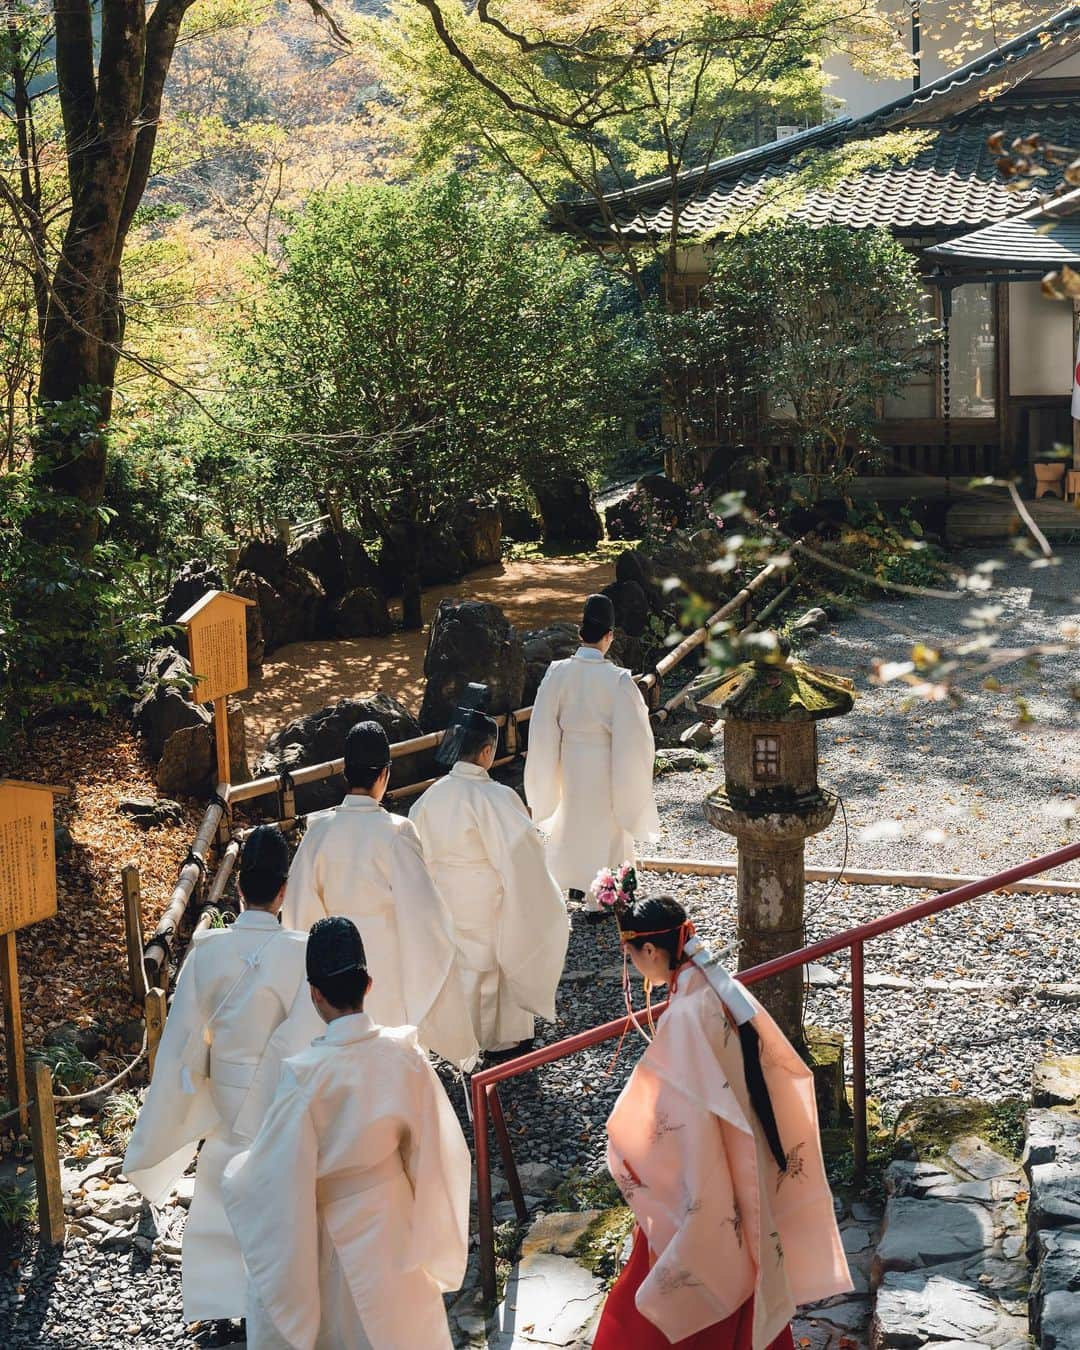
1052,1165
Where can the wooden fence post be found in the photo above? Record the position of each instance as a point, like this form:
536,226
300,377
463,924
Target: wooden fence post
155,1023
50,1195
13,1030
133,933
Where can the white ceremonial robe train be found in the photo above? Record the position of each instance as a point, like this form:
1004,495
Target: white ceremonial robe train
589,770
510,921
367,864
352,1205
241,1007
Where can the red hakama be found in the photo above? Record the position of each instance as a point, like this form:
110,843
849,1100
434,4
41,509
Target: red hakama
622,1327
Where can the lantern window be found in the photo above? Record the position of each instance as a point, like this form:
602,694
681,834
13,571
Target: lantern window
767,759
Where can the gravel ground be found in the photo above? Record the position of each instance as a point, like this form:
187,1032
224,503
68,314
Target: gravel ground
975,773
934,788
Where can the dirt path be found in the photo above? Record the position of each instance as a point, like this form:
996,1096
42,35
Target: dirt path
306,676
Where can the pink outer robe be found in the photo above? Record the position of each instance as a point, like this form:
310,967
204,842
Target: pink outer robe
723,1222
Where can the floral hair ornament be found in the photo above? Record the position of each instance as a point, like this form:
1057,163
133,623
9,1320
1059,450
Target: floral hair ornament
615,889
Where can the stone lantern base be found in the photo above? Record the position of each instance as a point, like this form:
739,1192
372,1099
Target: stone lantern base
771,885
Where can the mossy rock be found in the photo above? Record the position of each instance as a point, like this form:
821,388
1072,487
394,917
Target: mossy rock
599,1247
825,1056
927,1127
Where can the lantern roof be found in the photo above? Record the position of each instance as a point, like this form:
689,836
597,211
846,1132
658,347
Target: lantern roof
778,689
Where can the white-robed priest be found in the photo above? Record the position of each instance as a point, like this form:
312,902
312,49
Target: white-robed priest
364,862
352,1205
589,770
487,859
241,1006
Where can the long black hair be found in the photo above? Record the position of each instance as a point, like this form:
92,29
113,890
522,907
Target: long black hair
661,920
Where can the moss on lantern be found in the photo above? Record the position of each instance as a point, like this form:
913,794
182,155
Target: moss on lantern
778,690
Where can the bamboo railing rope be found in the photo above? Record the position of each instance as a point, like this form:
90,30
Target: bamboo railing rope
156,955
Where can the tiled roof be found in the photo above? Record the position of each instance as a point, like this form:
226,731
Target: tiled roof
1035,240
951,185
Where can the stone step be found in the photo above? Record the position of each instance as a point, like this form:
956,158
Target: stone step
951,1265
1052,1165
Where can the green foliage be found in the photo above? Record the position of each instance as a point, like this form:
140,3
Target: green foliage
69,627
1006,1126
18,1207
587,1190
121,1110
421,345
69,1067
823,323
601,1245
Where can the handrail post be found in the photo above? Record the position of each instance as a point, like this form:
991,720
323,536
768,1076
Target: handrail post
513,1181
485,1219
50,1197
858,1058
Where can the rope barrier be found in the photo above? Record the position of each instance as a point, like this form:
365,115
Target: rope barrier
67,1098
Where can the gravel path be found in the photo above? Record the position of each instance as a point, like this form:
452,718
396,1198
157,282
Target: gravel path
996,789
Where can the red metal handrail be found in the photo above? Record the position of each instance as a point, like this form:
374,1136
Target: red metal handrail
484,1085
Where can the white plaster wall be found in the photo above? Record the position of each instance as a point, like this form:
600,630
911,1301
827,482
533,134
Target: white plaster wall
1040,342
857,94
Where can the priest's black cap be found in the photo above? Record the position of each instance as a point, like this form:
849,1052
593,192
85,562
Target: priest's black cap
367,747
266,852
334,947
598,619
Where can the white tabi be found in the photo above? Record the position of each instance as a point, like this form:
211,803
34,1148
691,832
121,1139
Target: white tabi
352,1206
241,1007
589,770
360,861
510,920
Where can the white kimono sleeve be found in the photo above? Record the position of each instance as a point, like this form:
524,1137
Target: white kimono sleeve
304,904
270,1199
534,927
439,1166
300,1027
632,753
543,762
178,1110
430,971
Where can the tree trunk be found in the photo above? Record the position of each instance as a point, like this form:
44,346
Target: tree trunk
412,603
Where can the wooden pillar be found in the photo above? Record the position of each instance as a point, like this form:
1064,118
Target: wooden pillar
221,738
133,934
1076,372
155,1024
50,1196
13,1029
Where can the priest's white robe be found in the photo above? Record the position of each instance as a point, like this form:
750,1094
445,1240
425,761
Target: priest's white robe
241,1006
352,1205
589,770
510,920
360,861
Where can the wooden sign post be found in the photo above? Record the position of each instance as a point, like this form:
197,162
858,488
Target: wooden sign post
217,649
27,894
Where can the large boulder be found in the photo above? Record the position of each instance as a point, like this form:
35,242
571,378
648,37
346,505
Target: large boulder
435,551
362,612
541,646
188,764
568,512
654,502
320,736
338,559
471,642
519,522
632,608
478,528
667,496
633,565
192,582
292,606
166,708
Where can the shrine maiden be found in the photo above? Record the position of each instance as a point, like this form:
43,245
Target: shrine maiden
363,862
487,859
714,1144
352,1206
241,1006
588,773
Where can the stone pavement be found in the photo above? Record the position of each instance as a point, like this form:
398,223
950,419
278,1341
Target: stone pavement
1052,1163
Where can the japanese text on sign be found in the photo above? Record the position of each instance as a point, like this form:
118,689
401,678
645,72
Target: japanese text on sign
27,856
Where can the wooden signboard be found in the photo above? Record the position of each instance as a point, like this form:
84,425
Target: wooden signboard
217,650
27,894
217,644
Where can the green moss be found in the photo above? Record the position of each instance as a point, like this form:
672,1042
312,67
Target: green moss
599,1246
581,1190
765,691
927,1128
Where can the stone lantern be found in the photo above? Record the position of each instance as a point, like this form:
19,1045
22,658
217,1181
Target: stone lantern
771,802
